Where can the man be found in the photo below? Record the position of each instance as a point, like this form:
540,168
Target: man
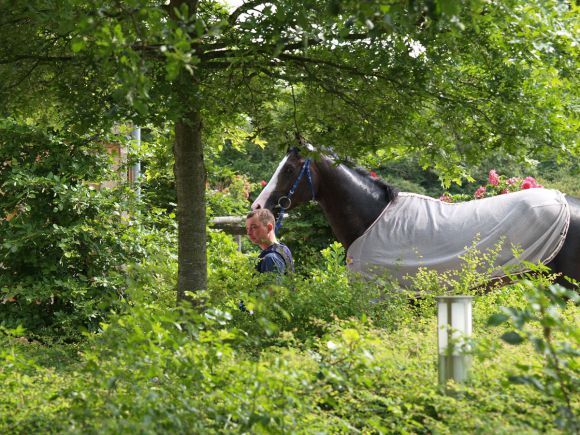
275,256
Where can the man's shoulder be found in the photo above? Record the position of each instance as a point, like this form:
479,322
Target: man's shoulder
272,262
276,258
284,252
278,248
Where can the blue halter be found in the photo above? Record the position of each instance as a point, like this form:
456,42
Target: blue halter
305,169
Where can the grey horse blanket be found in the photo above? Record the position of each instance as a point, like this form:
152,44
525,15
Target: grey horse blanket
416,231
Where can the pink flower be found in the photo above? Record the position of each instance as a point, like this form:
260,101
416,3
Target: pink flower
493,178
263,183
374,174
480,192
529,183
497,185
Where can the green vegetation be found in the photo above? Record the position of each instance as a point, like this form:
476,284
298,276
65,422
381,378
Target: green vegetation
320,352
316,355
64,241
429,94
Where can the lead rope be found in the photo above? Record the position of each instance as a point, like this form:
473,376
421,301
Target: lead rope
305,169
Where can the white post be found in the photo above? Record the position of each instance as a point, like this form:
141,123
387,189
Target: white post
454,329
136,168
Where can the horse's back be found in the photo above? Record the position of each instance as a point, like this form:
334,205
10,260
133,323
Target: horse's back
415,231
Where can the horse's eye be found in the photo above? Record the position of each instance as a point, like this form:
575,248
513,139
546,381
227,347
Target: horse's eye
288,170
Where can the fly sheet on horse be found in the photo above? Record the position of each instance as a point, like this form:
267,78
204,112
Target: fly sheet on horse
416,231
387,231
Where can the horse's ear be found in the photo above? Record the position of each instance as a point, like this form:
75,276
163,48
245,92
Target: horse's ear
302,144
299,140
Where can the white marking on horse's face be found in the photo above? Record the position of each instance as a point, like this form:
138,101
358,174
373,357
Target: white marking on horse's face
261,200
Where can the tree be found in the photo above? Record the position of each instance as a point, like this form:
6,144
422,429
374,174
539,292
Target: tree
449,81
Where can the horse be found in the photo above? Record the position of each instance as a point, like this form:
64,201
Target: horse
354,202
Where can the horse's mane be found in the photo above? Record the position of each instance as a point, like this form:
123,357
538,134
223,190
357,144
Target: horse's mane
389,191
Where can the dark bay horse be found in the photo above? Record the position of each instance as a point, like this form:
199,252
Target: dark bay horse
352,201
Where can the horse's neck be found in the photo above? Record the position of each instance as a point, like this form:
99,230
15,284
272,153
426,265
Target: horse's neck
350,202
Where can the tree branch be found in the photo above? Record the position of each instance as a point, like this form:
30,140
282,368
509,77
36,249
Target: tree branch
216,50
36,58
308,60
242,10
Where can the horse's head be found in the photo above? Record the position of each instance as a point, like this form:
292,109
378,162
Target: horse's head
293,183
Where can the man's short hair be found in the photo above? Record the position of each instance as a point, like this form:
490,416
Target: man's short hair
265,216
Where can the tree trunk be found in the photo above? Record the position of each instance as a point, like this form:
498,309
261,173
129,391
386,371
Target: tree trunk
190,180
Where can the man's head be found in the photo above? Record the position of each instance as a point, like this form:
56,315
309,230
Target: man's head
260,224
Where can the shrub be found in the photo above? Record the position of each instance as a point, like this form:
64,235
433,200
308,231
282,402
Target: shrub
156,370
64,243
496,185
544,322
295,304
153,369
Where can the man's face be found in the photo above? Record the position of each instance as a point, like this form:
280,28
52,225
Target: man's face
257,231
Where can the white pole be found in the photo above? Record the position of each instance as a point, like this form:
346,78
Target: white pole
136,168
454,322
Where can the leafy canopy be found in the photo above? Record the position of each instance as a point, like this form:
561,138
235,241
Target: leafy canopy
448,81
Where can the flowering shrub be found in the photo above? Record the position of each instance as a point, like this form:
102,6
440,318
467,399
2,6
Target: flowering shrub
496,185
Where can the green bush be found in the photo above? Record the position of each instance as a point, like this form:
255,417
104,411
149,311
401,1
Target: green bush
301,304
64,244
546,322
155,370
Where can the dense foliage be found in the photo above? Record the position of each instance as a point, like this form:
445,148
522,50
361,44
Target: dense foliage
65,243
319,351
316,354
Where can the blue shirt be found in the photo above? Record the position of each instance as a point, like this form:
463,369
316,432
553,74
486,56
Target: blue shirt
275,258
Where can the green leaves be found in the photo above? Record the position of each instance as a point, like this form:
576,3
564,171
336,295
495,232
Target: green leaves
77,45
527,380
542,321
497,319
64,245
328,363
512,338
